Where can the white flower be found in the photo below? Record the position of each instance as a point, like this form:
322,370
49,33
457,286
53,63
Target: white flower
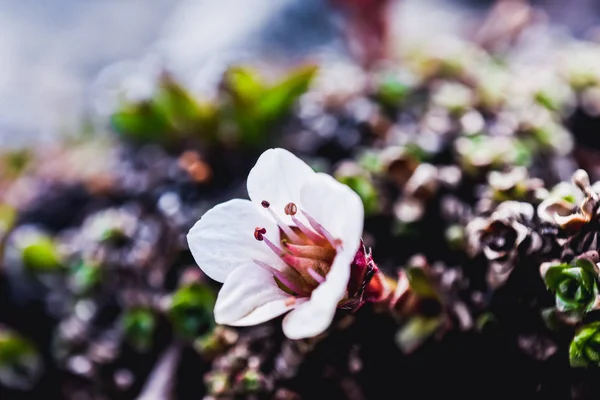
290,247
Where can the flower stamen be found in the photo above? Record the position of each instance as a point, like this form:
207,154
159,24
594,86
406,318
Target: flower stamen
335,243
315,275
282,225
259,234
314,237
289,283
290,209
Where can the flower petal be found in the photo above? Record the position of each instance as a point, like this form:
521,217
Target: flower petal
336,207
315,316
278,177
339,210
250,296
223,239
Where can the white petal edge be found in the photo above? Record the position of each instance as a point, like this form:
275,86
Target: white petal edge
278,177
250,296
314,317
223,239
340,211
335,206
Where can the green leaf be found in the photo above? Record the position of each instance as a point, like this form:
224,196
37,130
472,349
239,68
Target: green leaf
186,114
253,106
141,123
20,363
544,99
486,322
191,310
85,276
416,331
278,99
364,187
420,283
521,153
553,275
584,350
588,266
370,161
391,91
244,84
417,152
8,217
139,325
41,255
251,380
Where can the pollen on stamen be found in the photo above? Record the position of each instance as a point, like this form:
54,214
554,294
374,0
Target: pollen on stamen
291,209
258,233
282,225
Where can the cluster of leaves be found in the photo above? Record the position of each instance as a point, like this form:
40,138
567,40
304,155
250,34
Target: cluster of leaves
243,114
576,290
575,286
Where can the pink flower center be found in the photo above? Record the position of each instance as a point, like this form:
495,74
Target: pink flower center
307,250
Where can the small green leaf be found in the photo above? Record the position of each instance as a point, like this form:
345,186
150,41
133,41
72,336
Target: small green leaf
251,380
41,255
141,123
278,99
20,363
485,322
84,277
391,91
553,275
244,84
8,217
139,325
370,161
191,310
584,350
253,106
364,187
416,331
181,109
544,99
420,283
521,153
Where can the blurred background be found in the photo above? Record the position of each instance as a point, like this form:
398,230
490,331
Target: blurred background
61,58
